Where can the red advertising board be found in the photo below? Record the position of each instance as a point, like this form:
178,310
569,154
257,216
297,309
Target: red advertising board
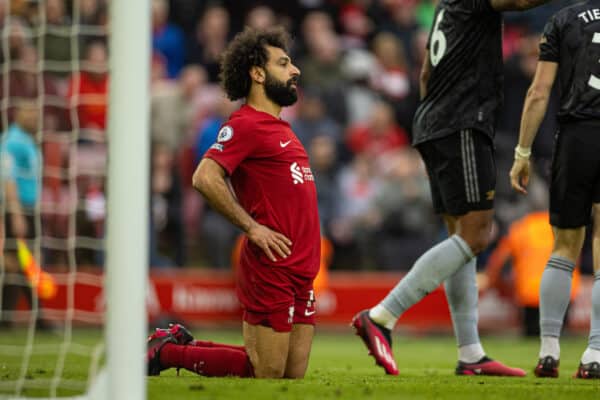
205,296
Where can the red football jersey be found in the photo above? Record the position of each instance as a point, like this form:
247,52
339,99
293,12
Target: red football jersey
272,180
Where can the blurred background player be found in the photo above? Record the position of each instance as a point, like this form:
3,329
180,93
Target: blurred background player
257,175
570,48
20,169
453,129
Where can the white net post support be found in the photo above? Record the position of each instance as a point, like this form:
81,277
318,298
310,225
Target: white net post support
128,198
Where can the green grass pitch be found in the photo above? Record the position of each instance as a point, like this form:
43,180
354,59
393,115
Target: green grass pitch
339,369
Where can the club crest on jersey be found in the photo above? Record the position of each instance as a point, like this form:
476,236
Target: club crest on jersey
300,174
225,134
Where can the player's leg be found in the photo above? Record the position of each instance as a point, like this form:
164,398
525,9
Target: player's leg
184,337
303,329
458,188
574,169
462,171
175,347
299,351
264,354
267,349
590,360
11,288
15,282
462,295
555,294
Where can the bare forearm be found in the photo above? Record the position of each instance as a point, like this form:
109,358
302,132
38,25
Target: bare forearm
533,113
219,196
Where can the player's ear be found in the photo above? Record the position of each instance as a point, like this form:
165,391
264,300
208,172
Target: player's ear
257,74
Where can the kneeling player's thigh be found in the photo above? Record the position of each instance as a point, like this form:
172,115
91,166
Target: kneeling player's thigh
267,350
299,352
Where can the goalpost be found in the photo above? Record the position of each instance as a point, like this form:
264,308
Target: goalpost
127,227
128,194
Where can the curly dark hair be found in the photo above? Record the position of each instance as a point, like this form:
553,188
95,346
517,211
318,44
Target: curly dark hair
247,50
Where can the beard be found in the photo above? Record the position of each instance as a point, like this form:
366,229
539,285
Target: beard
282,94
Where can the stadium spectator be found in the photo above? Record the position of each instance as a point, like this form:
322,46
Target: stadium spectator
461,91
88,92
353,219
380,135
23,82
313,24
167,39
323,61
92,12
174,107
260,17
209,41
167,244
312,119
356,26
358,67
322,151
402,205
57,42
575,189
19,36
262,156
400,19
391,78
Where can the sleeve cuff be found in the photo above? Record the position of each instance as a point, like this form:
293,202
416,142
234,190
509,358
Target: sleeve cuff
229,169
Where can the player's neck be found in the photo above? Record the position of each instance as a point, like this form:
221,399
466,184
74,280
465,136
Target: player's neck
260,102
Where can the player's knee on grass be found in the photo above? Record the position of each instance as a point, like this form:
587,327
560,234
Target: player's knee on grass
296,370
267,350
299,352
269,367
267,362
269,372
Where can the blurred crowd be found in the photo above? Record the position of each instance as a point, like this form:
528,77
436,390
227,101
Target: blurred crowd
360,62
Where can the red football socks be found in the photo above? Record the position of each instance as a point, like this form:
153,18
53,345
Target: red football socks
206,343
207,361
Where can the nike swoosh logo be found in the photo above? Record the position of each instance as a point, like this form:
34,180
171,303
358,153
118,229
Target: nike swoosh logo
283,144
309,313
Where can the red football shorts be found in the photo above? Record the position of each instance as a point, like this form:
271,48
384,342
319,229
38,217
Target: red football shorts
275,297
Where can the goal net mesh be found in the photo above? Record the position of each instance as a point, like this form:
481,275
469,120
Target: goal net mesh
54,58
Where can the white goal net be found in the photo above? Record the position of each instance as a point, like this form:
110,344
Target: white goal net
63,235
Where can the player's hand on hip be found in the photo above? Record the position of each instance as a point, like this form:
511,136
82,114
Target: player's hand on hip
519,175
269,241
